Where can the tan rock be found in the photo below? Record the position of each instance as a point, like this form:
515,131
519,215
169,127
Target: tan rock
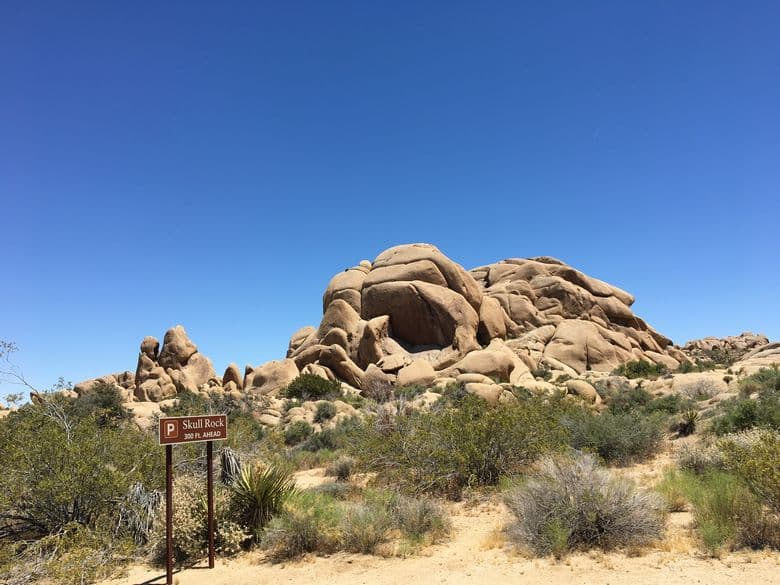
346,286
271,377
492,320
490,393
458,280
584,390
419,372
393,363
269,420
424,314
177,348
299,338
334,357
233,374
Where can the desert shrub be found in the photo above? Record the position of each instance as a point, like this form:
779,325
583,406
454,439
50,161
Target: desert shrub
325,411
334,438
297,432
699,390
342,468
74,556
410,391
419,517
757,462
245,430
699,458
338,490
58,469
309,523
190,525
542,372
686,425
669,404
189,403
452,447
726,512
378,390
301,459
765,380
103,402
631,399
640,369
257,495
572,503
364,527
617,438
312,387
740,414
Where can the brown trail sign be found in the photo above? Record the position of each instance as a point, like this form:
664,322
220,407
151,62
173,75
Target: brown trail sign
189,429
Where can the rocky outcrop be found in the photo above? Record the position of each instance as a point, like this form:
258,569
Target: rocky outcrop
414,316
765,356
178,367
413,305
732,348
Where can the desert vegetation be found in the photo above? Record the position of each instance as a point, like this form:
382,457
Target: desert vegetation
82,491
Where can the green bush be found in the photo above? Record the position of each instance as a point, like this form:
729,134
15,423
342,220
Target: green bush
700,458
58,469
632,399
297,432
569,504
418,518
765,380
342,468
103,402
757,463
74,556
309,523
312,387
669,404
257,495
452,447
325,412
333,439
364,527
640,369
726,513
740,414
620,438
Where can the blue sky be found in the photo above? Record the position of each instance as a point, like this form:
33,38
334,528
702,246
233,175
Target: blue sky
214,164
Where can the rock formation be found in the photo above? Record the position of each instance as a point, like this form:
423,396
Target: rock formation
421,318
733,347
415,317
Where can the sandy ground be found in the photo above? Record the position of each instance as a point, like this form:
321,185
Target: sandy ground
478,553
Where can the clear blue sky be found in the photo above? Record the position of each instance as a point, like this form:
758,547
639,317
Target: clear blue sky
215,164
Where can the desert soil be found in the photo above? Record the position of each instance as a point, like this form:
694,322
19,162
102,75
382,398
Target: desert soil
477,552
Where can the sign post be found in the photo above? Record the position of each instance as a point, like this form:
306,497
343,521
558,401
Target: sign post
189,429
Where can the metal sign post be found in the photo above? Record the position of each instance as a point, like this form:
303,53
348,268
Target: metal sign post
189,429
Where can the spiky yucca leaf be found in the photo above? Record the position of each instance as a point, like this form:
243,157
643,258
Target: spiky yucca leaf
258,494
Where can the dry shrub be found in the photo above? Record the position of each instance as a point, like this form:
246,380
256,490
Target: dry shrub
342,468
364,527
418,518
572,503
309,523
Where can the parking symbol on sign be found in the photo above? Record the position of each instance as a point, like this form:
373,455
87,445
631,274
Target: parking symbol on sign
171,430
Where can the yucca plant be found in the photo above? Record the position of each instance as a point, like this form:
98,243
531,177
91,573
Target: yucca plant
258,494
687,425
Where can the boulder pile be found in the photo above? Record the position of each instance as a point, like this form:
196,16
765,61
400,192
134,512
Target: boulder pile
415,317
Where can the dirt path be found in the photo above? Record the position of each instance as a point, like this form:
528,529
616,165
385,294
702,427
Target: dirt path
477,554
